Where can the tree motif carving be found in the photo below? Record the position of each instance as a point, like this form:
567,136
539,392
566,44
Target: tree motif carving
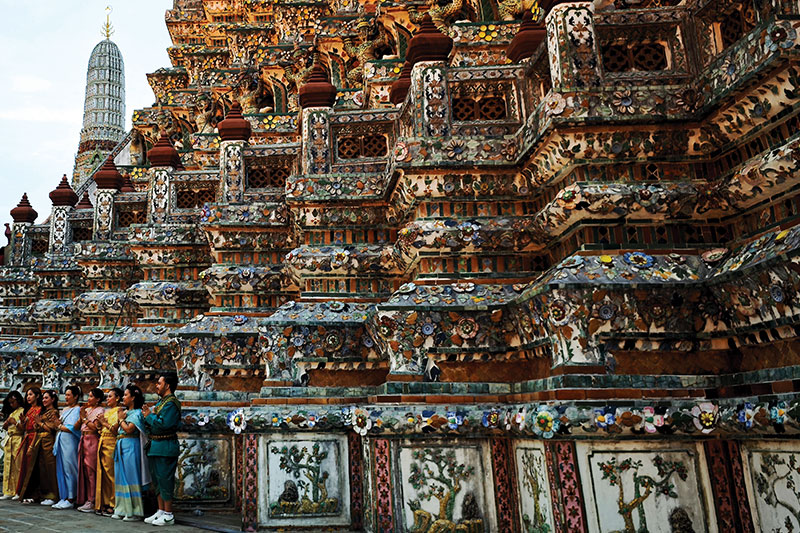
436,474
530,465
614,471
778,473
197,463
306,468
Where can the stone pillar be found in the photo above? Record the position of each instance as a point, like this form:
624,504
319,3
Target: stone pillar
63,198
103,214
164,159
20,244
316,141
158,195
574,56
60,230
233,170
24,215
430,98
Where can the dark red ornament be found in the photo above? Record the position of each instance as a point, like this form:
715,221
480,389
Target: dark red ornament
235,127
63,194
24,212
318,91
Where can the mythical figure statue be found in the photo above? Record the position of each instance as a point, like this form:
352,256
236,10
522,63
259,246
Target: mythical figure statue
138,148
373,40
178,129
205,109
251,94
513,9
442,12
297,65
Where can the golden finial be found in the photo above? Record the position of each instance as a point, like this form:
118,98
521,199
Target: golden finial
108,29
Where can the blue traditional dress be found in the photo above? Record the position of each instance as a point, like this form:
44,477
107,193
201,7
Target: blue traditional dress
131,470
66,452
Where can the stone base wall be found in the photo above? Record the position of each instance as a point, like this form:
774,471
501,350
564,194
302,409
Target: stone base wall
426,485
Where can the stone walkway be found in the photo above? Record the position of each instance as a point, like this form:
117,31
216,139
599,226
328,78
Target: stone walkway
15,517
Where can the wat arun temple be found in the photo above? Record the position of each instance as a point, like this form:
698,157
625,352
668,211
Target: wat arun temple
455,266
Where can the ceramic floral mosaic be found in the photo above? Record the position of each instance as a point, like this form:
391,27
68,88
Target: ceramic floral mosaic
510,265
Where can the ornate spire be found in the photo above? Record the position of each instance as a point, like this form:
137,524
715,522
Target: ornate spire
428,43
163,154
103,108
317,91
24,212
85,202
108,29
108,177
63,195
127,184
235,127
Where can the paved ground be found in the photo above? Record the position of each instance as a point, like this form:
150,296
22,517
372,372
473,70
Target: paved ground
15,517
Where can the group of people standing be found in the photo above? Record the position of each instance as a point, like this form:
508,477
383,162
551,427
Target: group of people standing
101,460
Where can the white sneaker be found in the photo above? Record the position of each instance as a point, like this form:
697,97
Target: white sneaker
151,519
131,518
164,520
15,498
64,504
5,497
116,516
48,502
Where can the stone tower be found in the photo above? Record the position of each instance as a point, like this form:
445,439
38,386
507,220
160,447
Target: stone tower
104,107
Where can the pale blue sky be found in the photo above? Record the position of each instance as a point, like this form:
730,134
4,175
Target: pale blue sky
44,50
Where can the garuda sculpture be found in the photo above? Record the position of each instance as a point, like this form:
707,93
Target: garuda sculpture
373,39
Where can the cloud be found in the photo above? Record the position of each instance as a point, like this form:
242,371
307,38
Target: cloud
29,84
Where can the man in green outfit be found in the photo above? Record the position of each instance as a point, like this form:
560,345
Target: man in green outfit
162,428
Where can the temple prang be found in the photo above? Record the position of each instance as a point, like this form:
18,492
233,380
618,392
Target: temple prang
104,106
463,266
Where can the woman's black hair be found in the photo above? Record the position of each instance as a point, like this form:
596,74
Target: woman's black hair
117,392
99,394
7,410
36,392
75,390
138,396
54,396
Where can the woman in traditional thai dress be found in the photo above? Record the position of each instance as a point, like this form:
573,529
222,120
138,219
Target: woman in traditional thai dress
87,450
14,410
108,424
37,474
66,449
130,462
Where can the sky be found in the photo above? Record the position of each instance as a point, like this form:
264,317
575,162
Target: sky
45,51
